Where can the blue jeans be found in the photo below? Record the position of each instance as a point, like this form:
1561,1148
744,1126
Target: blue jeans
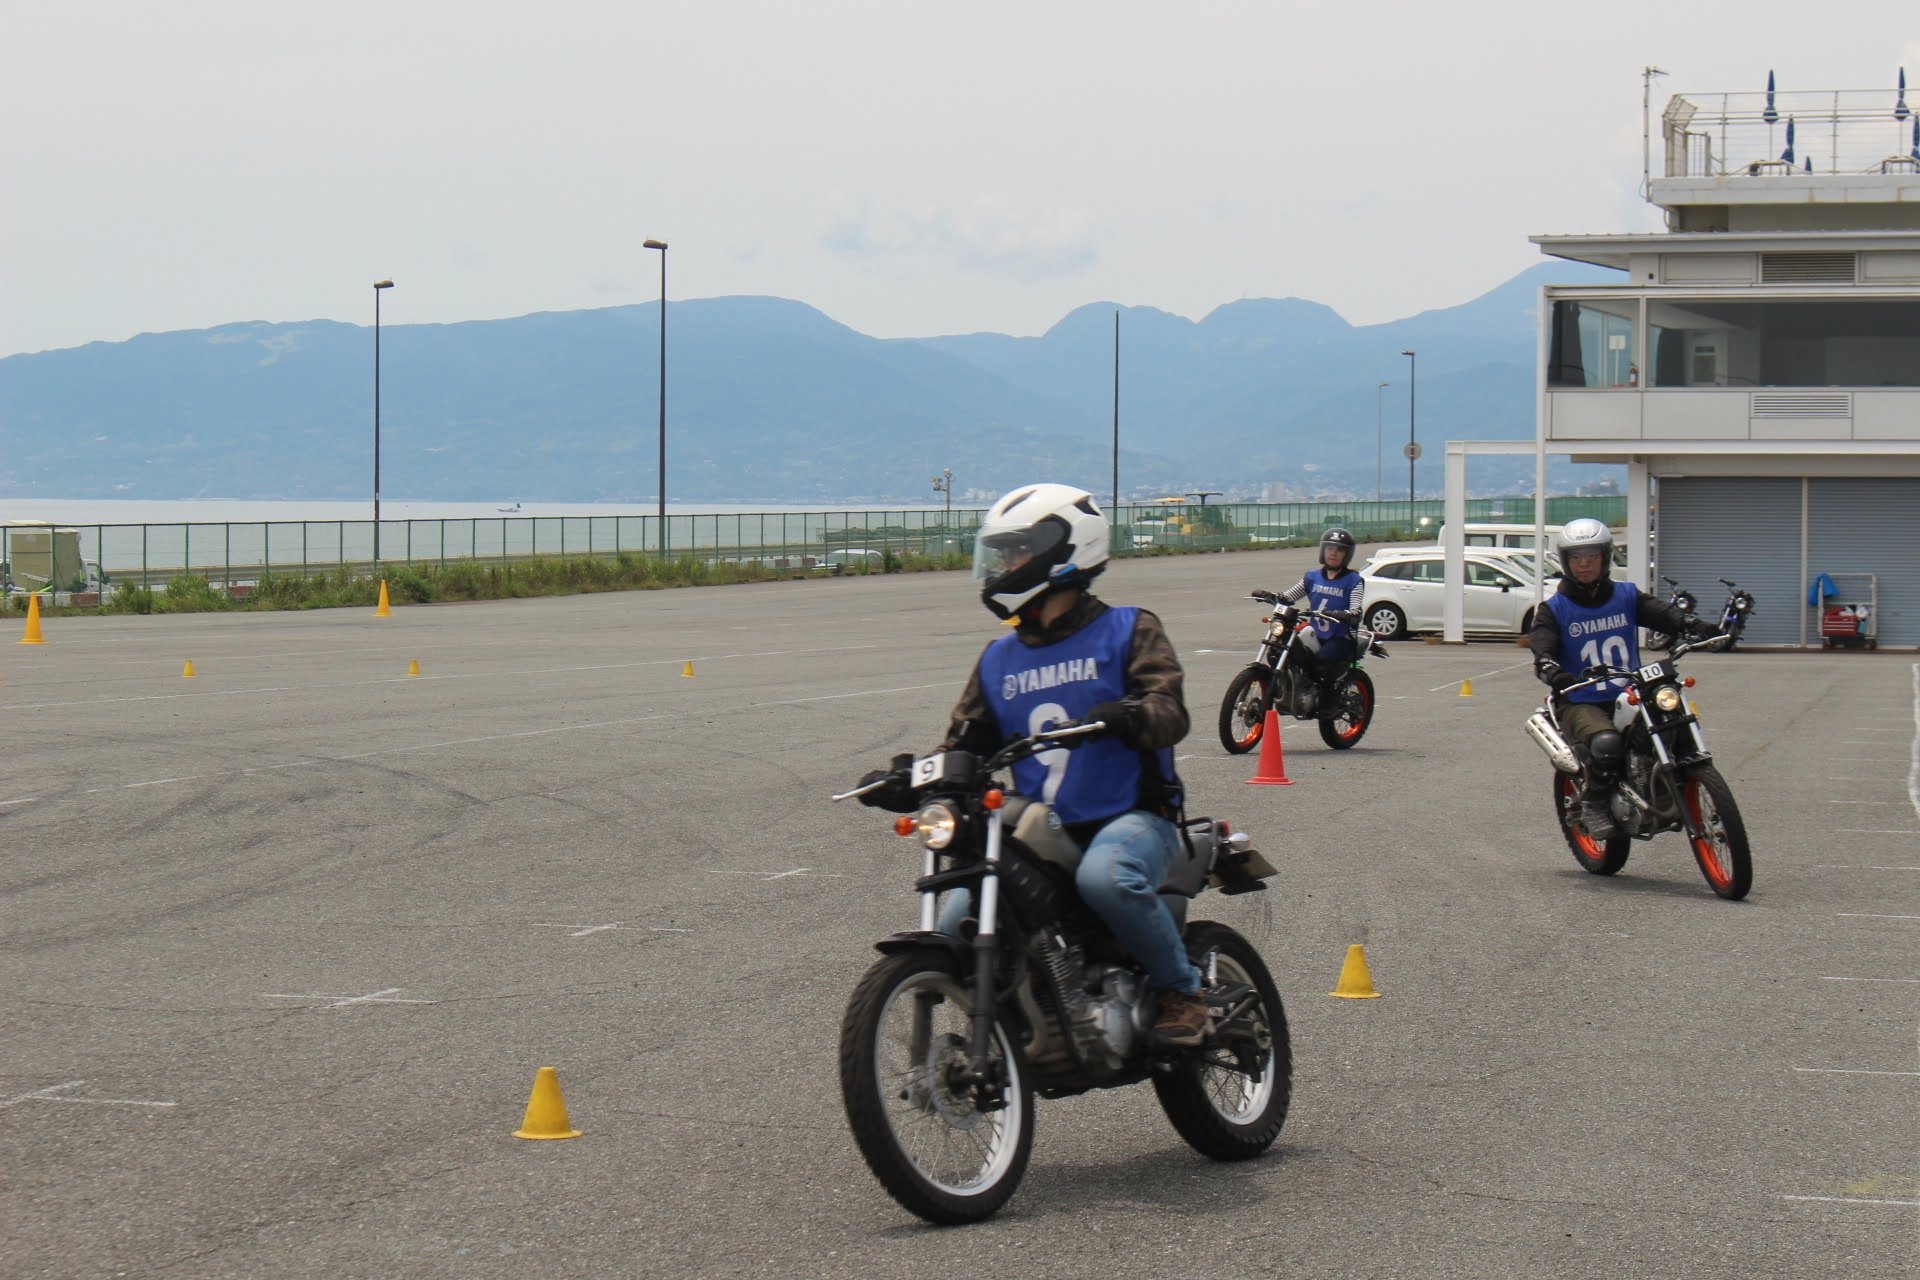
1119,878
1335,650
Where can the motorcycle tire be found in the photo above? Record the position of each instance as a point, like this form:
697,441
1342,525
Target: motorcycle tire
1353,700
1721,849
1596,857
1243,712
1210,1093
934,1149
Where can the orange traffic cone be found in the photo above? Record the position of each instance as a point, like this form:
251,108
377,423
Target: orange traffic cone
1273,766
384,609
33,635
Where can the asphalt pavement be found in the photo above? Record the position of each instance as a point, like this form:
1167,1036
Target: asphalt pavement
286,943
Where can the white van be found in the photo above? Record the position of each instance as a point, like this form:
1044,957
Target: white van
1521,535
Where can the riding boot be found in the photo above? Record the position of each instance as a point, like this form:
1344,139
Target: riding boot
1596,813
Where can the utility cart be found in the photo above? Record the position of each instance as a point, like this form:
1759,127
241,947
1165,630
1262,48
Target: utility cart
1850,618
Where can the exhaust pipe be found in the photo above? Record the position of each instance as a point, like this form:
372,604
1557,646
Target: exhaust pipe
1542,731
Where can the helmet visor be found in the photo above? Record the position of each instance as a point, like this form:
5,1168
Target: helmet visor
997,552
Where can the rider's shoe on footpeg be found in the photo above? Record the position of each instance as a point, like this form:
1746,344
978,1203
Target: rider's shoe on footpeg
1597,818
1183,1018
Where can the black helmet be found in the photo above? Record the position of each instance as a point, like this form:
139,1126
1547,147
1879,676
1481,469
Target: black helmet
1336,537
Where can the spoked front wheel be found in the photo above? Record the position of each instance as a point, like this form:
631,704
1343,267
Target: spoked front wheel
1720,845
1229,1097
1243,712
1597,857
947,1147
1346,723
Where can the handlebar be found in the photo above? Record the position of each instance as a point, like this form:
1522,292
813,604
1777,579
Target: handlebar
1728,583
1018,749
1601,674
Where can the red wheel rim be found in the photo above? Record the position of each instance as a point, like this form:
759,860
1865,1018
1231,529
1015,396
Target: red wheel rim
1579,834
1718,870
1359,724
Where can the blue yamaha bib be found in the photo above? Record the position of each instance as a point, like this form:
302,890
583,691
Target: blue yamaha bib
1033,688
1601,634
1337,594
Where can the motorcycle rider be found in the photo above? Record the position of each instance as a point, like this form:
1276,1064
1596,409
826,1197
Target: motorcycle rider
1335,587
1594,621
1071,657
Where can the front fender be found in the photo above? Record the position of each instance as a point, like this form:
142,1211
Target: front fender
926,940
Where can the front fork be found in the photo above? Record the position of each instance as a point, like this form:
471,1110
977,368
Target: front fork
1664,768
983,1076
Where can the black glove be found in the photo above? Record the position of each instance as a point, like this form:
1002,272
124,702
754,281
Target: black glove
897,795
1563,682
1124,720
1343,615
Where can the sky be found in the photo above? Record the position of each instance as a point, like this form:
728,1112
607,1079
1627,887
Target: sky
909,169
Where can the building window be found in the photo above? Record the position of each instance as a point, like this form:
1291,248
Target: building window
1777,342
1592,344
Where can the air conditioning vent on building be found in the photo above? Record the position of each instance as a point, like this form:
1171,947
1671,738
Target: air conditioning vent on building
1807,268
1803,404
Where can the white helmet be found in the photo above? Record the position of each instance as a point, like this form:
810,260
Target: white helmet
1039,538
1581,534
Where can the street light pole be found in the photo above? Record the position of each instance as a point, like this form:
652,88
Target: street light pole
661,245
943,483
1413,386
378,285
1116,411
1379,440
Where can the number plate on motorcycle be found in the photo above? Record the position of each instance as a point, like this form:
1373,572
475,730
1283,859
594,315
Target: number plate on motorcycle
929,769
1651,672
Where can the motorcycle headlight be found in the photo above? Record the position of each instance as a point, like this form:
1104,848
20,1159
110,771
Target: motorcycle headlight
1743,605
1667,698
936,825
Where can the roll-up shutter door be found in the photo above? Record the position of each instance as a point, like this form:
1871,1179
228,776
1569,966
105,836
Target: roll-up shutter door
1869,526
1743,528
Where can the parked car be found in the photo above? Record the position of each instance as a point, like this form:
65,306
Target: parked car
1521,558
1521,536
853,560
1406,595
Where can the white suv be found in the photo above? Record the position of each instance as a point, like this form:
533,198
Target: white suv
1406,594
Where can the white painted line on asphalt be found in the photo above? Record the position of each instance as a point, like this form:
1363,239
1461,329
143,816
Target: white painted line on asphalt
1481,675
49,1093
1825,978
1844,866
161,782
21,800
1850,1071
1880,831
1848,1200
383,996
778,875
582,930
1863,802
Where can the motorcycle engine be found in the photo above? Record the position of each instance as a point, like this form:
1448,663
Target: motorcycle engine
1300,698
1114,1016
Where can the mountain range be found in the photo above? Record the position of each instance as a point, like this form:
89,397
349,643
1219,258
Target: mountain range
769,400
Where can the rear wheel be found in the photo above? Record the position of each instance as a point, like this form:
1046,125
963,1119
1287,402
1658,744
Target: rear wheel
1229,1097
1720,847
1352,711
1385,621
1243,712
1599,857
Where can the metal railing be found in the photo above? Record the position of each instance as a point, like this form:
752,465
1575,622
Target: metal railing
1855,131
235,556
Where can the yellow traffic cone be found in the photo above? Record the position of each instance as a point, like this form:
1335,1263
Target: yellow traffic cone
1356,983
413,667
546,1115
187,672
1466,688
385,610
33,635
686,672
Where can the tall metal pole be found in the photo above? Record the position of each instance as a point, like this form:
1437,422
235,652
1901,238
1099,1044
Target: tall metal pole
1116,410
1379,441
378,285
1413,387
661,245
